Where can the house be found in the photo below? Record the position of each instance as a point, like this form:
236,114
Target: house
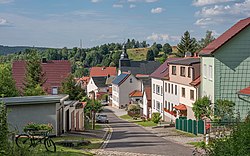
136,67
182,89
55,73
37,109
83,81
102,71
225,67
97,87
122,85
135,97
74,116
158,77
147,109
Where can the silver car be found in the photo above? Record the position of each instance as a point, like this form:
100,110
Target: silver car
102,118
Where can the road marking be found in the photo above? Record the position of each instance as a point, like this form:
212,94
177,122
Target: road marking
110,131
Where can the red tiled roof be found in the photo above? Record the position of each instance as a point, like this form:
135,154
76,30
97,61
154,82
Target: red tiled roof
196,82
170,112
148,93
245,91
102,71
162,71
84,104
181,107
141,75
55,72
225,37
135,93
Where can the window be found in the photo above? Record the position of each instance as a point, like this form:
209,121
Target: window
131,80
189,72
158,105
182,71
157,89
172,106
172,89
153,88
175,89
210,72
183,92
166,105
54,90
192,94
169,88
154,104
173,70
161,90
205,71
166,87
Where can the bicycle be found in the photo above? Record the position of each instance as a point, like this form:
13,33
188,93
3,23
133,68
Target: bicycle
34,137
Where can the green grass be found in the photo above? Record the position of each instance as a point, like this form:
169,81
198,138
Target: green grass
97,126
137,54
197,144
139,122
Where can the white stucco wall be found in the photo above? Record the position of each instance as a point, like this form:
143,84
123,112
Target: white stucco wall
91,87
157,97
144,103
115,95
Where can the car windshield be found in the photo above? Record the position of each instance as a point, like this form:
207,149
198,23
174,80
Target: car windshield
103,115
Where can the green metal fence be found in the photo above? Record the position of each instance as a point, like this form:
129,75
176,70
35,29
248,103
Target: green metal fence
189,125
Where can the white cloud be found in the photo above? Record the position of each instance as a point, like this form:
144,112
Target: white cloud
218,14
117,6
209,2
147,1
162,37
95,1
132,6
5,1
151,1
157,10
3,22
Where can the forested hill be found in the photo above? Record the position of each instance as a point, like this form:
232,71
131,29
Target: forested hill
4,50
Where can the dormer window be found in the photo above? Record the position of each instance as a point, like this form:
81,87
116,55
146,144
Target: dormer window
189,72
173,70
182,72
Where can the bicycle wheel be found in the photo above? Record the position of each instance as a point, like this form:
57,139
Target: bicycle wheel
50,145
23,141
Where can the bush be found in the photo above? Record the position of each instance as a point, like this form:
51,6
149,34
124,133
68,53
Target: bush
156,117
237,143
37,127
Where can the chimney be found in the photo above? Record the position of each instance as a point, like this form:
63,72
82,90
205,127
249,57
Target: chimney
44,60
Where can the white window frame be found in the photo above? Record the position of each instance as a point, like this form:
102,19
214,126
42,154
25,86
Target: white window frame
52,90
210,72
205,71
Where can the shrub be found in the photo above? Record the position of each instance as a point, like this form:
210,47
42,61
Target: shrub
156,117
237,143
37,127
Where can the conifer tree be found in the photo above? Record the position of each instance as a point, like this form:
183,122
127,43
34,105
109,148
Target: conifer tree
150,55
187,44
34,77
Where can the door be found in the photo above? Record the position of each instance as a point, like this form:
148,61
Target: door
77,121
72,120
67,120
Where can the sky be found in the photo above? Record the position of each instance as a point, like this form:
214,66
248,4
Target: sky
63,23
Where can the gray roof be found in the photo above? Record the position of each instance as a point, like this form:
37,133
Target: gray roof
141,67
100,81
186,61
33,99
109,80
119,79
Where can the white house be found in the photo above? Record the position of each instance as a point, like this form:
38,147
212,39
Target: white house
122,85
147,109
97,85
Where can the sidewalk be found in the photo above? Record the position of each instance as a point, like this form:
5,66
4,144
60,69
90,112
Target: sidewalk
167,133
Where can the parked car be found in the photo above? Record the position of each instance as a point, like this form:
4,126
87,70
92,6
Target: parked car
102,118
104,103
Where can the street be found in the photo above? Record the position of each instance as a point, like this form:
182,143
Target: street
129,137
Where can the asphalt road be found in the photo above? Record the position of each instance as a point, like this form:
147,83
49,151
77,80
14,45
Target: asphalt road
129,137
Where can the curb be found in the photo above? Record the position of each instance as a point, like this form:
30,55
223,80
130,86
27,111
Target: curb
106,137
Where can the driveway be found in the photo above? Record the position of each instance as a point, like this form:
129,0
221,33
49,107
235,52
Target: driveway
129,137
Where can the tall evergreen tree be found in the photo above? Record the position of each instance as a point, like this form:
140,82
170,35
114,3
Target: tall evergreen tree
150,55
7,83
187,44
167,48
34,77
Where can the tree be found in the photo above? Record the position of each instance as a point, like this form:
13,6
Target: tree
150,55
187,44
205,41
202,108
156,48
3,129
74,91
163,58
156,117
34,77
7,84
224,108
92,107
167,49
